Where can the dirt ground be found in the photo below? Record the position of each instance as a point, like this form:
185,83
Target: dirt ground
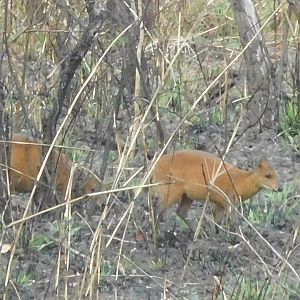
211,267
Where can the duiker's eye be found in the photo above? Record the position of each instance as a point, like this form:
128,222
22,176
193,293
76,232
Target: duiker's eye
269,176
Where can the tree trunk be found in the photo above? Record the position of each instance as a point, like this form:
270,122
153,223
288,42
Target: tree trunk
261,81
3,146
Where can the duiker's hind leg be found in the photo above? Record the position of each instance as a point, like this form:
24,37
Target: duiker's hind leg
218,212
156,212
182,209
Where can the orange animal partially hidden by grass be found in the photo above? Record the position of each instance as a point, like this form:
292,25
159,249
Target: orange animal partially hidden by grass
185,176
26,160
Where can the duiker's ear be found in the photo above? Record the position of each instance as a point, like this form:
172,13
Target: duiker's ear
264,164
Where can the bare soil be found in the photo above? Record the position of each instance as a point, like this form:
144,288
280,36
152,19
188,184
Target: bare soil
212,266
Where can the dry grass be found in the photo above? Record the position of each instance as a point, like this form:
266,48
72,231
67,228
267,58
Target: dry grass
191,50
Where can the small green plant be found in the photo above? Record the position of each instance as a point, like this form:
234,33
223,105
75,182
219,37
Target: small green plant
290,124
24,279
183,225
159,264
113,156
264,211
40,241
57,229
173,97
264,288
107,269
216,116
66,226
259,288
176,97
76,155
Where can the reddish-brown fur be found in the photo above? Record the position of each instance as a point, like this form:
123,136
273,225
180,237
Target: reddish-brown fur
196,175
26,160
